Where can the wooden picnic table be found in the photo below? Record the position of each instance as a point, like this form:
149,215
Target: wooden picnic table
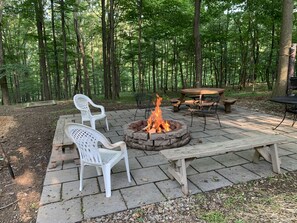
192,93
61,141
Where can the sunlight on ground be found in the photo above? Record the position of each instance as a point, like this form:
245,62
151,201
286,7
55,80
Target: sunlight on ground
24,151
26,179
28,202
7,123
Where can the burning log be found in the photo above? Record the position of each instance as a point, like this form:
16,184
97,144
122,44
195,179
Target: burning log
155,123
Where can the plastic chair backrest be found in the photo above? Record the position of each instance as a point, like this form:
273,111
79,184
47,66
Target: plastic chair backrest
87,141
81,102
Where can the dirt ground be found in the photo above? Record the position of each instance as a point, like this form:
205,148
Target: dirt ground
27,134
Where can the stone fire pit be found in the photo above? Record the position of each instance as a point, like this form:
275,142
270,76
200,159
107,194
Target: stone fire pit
137,138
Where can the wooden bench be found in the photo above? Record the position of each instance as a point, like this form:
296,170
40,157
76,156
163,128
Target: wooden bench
227,103
180,158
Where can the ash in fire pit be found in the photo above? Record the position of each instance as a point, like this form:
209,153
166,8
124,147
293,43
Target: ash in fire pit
156,133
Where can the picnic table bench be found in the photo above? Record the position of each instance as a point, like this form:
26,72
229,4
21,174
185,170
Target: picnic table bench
62,141
180,158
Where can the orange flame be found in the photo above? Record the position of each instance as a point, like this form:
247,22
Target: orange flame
155,123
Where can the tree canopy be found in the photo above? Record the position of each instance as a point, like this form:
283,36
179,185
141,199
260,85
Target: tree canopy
54,49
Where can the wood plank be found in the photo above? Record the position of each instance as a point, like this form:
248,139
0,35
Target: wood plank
59,133
210,149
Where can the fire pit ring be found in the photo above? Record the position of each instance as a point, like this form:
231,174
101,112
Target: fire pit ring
135,137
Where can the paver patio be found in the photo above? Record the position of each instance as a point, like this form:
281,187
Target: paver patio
61,200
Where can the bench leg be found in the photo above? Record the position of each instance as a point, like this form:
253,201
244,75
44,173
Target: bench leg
227,107
270,154
184,180
275,159
178,171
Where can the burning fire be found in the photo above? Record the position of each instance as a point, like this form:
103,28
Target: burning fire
155,123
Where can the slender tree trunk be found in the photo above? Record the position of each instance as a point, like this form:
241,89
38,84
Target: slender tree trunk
140,74
106,73
42,59
269,63
285,44
198,50
113,70
65,55
3,79
57,72
154,67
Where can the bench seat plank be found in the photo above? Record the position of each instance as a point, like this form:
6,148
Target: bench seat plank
211,149
180,158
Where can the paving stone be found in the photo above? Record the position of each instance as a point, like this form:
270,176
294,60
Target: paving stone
288,163
148,175
135,153
247,154
114,139
51,193
289,146
90,171
172,189
120,166
118,180
238,174
142,195
152,160
262,168
229,159
198,135
206,164
284,152
61,212
60,176
69,164
293,156
209,181
98,205
190,170
71,189
111,134
217,139
147,152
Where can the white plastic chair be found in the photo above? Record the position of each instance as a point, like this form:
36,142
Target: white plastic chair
90,145
82,102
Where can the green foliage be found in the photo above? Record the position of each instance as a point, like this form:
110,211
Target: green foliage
236,36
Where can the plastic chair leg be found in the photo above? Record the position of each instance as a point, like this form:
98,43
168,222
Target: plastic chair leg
127,168
81,176
106,122
107,181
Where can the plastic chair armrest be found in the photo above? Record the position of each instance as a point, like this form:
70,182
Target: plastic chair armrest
98,106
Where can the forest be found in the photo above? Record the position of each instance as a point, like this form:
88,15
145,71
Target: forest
53,49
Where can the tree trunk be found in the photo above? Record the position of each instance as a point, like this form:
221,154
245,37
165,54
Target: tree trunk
198,50
3,79
140,74
42,61
57,72
65,55
285,44
106,73
113,71
269,63
154,67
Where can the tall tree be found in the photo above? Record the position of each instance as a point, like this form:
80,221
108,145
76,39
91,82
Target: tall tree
3,79
65,54
41,47
57,71
198,50
285,44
